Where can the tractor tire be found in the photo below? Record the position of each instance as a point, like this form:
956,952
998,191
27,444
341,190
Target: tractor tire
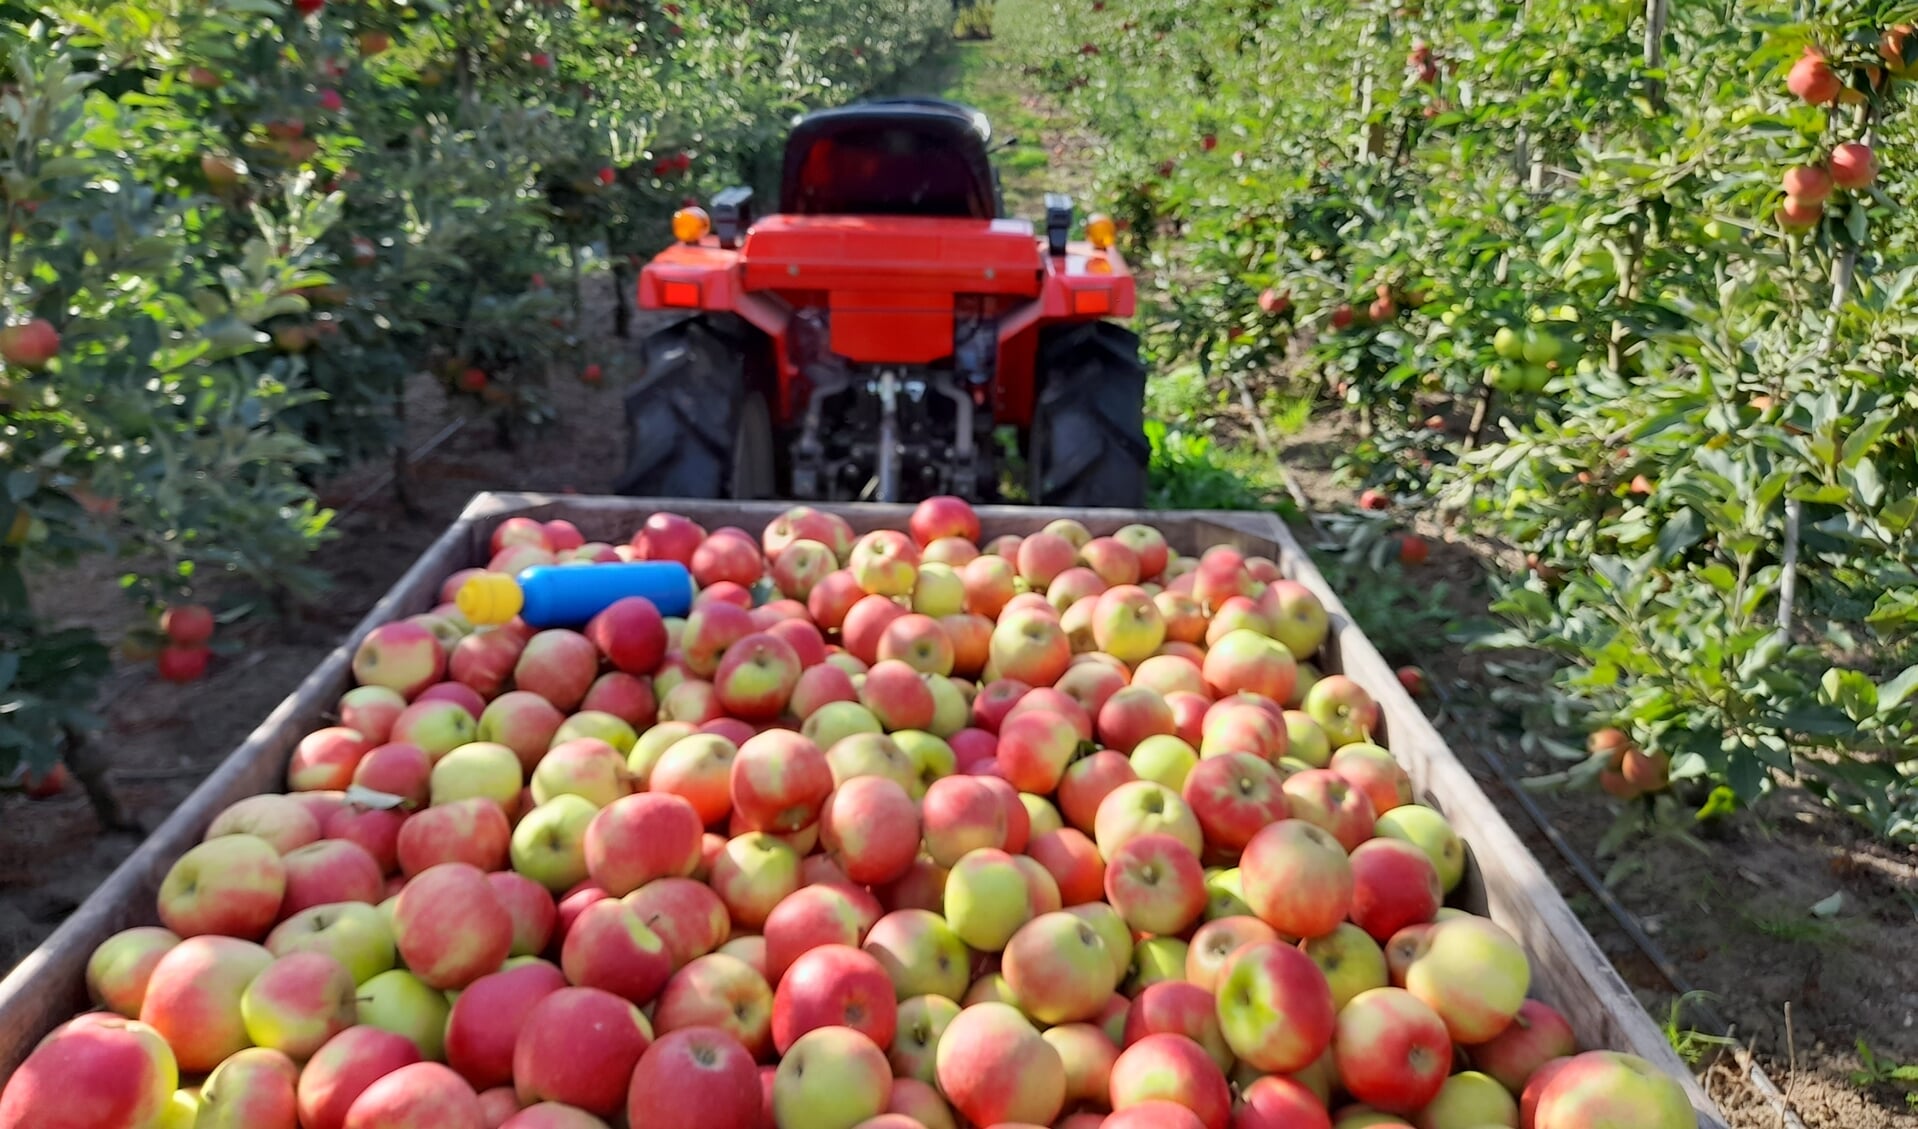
1087,446
697,426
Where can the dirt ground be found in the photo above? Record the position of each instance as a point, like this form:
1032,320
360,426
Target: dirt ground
1800,991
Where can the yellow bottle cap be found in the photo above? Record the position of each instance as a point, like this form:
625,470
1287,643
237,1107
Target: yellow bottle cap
490,599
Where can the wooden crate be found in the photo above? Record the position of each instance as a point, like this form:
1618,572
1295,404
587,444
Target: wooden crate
1503,880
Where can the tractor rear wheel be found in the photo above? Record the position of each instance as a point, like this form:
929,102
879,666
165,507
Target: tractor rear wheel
1087,445
698,426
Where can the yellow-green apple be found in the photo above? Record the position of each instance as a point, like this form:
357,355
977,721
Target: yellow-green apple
193,998
1472,973
232,886
834,986
324,760
1030,646
695,1076
870,827
865,625
687,915
820,686
1238,613
371,710
549,843
753,873
349,1063
523,722
1148,545
598,726
988,897
919,642
885,562
943,516
471,831
558,665
438,727
698,769
1297,879
531,907
1074,531
611,946
971,637
1074,863
1034,748
1156,884
1343,709
281,821
627,697
1058,969
118,970
1327,800
1234,797
1275,1007
1225,897
728,555
780,781
1174,1069
424,1095
1374,770
898,696
1244,660
832,599
1041,816
401,656
1609,1090
871,754
1469,1100
486,1019
990,583
585,767
1142,807
579,1046
395,769
1427,830
922,1023
938,591
834,721
353,933
1214,943
1272,1102
921,954
254,1089
756,676
1306,740
1177,1007
96,1070
1351,961
1043,557
1296,617
1392,1051
932,758
1236,725
449,926
1537,1035
1393,885
1309,676
1086,784
650,747
800,566
996,1068
299,1002
814,916
1131,716
831,1078
402,1003
481,768
722,991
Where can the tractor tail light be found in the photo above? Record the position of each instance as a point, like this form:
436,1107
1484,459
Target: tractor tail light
684,295
1096,302
1101,232
690,225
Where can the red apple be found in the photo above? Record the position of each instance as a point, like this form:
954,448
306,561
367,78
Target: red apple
1174,1069
631,634
343,1068
1324,799
486,1020
996,1068
1392,1051
695,1076
579,1046
834,986
1156,884
1275,1008
1297,879
871,827
719,991
1537,1035
1234,797
1393,885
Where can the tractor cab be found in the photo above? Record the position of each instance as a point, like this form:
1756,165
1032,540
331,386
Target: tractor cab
868,339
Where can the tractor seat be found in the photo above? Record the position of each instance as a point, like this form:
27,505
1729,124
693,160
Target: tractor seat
909,157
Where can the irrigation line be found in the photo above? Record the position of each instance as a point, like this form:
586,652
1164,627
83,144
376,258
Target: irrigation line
386,478
1630,925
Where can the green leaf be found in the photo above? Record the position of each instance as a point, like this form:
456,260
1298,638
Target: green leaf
1892,694
1680,532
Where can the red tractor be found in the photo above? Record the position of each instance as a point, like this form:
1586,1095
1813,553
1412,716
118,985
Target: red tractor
888,334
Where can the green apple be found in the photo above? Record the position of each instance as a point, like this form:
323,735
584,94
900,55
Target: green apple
402,1003
1164,759
357,935
1153,960
482,770
549,845
930,755
938,591
1427,830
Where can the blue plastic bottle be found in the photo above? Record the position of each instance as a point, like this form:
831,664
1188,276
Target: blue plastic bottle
569,595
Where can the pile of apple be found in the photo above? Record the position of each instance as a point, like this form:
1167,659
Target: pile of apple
891,831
